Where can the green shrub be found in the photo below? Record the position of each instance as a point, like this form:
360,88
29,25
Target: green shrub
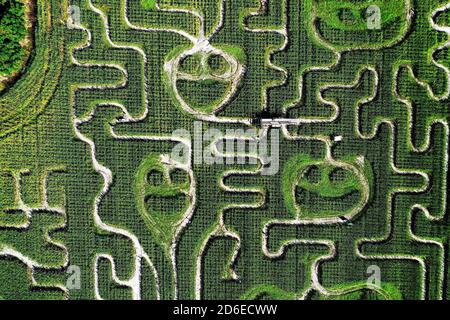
12,32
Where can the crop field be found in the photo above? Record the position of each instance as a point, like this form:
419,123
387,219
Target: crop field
225,149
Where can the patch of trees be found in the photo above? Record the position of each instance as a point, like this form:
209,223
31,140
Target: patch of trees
12,31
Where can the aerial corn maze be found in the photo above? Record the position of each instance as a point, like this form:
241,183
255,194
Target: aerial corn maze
224,149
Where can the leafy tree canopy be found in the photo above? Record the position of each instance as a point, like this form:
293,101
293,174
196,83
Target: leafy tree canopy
12,32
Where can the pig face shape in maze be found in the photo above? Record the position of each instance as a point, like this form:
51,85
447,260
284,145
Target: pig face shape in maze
327,189
162,195
203,79
346,25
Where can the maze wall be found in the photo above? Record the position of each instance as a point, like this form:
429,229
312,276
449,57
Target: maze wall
117,180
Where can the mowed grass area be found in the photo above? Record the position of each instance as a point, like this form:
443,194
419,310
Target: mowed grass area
371,154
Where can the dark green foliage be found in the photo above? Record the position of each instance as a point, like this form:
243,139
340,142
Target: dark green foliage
12,31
